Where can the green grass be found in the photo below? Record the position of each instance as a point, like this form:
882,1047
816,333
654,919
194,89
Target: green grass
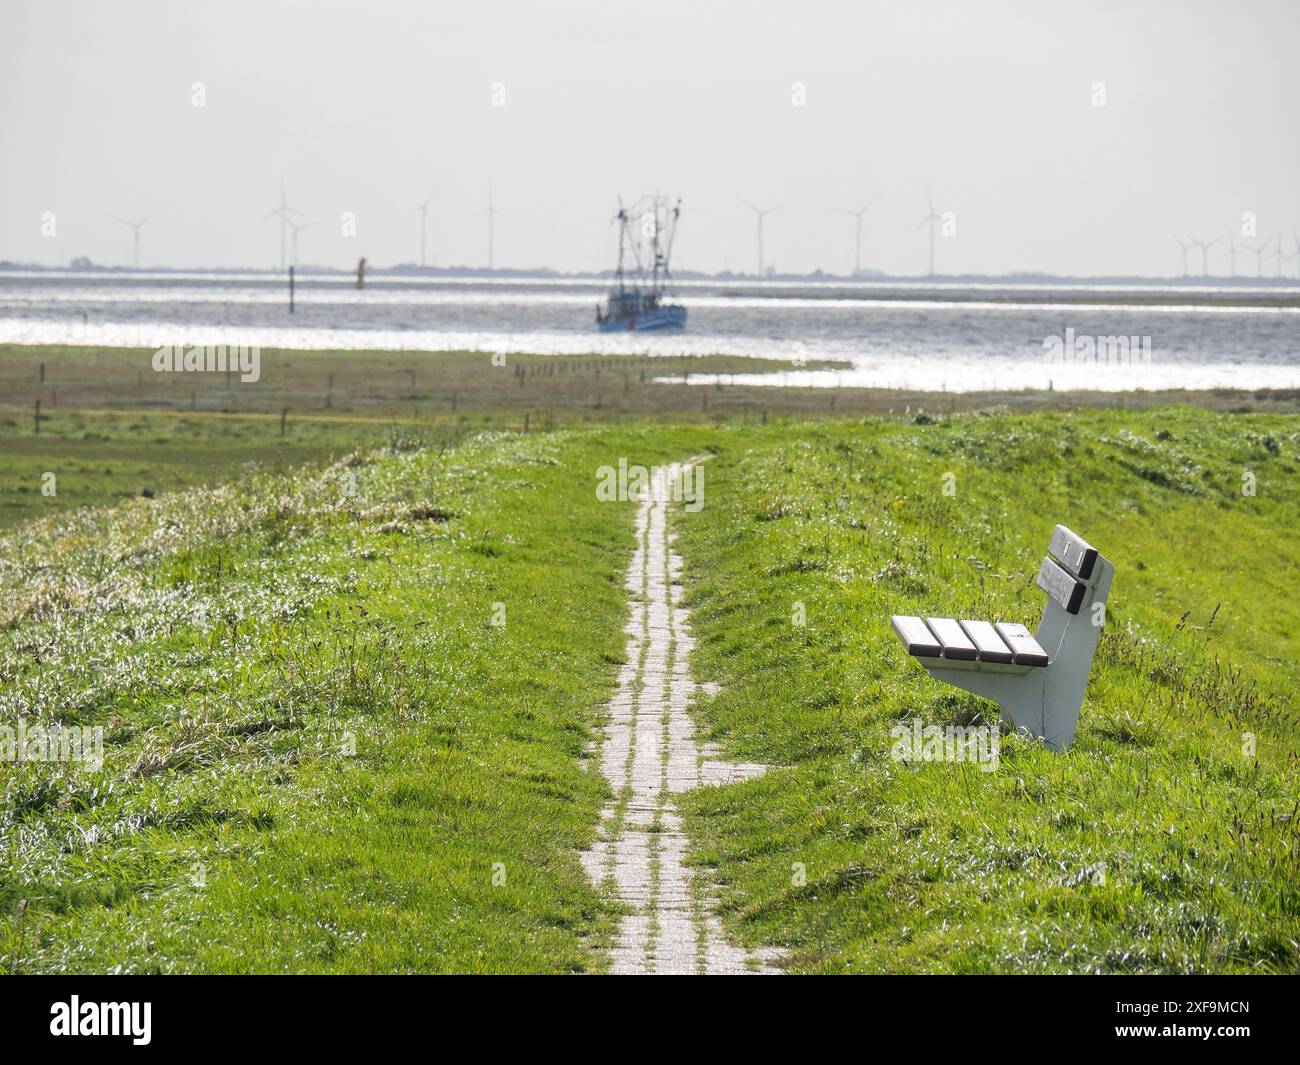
91,458
110,427
236,642
938,867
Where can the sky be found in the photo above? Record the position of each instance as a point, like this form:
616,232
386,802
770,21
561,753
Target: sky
1058,137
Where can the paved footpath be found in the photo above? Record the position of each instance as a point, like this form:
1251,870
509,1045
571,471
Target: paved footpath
649,755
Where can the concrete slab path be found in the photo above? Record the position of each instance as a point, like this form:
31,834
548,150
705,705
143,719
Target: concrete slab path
649,755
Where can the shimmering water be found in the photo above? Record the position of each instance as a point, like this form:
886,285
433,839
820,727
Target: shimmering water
893,334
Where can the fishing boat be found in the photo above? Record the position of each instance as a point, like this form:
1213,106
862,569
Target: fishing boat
636,303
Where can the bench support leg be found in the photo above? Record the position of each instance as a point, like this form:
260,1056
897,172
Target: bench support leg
1071,642
1020,698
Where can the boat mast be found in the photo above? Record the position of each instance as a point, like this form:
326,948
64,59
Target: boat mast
622,238
672,232
654,244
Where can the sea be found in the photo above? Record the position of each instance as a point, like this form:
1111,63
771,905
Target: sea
956,336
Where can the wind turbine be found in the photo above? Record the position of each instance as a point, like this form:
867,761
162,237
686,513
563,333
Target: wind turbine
1205,253
760,214
284,211
135,235
1277,255
423,208
932,218
857,215
1183,246
1296,254
492,213
297,228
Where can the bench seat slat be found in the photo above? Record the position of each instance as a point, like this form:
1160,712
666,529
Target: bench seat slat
916,636
954,640
991,646
1061,585
1025,650
1073,552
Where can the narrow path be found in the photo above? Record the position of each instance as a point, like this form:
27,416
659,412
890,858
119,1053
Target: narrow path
649,755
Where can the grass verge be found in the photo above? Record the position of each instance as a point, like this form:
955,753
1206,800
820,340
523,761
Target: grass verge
345,712
1166,840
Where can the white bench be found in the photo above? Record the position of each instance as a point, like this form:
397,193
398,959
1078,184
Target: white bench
1037,680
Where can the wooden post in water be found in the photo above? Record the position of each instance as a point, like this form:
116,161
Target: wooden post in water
42,373
291,290
525,421
38,416
284,416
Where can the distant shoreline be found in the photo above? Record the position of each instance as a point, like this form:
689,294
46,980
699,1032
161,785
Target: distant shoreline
774,285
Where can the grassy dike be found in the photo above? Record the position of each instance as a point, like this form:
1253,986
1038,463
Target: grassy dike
237,643
1159,843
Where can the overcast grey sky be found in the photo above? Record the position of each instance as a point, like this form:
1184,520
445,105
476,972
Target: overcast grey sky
369,108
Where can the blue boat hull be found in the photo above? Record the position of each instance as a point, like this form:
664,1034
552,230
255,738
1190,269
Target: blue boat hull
658,320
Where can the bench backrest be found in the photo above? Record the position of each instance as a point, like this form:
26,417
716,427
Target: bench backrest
1076,578
1068,576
